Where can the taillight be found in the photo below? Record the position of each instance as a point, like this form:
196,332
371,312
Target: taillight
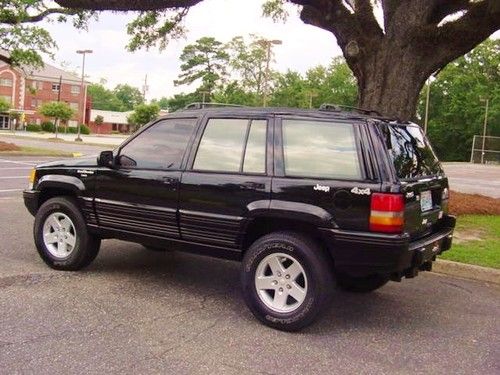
445,194
387,213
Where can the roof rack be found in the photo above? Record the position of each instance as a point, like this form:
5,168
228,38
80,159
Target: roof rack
198,105
339,108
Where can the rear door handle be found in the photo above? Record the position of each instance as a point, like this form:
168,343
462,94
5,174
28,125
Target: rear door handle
253,185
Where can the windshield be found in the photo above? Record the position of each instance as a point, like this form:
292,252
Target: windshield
410,151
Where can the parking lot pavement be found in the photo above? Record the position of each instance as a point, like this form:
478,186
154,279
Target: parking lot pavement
137,311
14,173
474,178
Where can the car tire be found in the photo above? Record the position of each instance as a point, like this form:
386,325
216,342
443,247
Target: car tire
361,284
270,260
61,235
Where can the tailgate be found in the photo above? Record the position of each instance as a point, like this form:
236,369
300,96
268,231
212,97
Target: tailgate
426,204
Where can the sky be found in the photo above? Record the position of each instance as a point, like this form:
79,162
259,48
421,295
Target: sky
303,46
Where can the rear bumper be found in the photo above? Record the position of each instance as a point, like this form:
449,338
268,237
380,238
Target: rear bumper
31,200
364,253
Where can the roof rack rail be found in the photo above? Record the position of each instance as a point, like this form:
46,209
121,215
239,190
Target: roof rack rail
198,105
339,108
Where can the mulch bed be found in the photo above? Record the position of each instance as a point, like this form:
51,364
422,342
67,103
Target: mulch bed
4,146
463,204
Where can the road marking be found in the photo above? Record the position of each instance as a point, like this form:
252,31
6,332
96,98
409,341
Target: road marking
9,177
15,162
6,168
10,190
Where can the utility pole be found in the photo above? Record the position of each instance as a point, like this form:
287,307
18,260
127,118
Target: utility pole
145,87
487,101
56,120
427,105
203,96
267,44
83,91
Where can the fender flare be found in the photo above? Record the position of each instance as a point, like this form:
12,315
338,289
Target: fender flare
71,183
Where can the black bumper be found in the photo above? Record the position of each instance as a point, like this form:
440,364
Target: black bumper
31,200
365,253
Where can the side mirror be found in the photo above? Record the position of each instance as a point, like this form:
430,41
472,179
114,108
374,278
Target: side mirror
106,159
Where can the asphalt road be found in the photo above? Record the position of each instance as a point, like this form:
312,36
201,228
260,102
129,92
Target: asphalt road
136,311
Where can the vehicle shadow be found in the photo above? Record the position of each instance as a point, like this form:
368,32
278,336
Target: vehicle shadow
202,277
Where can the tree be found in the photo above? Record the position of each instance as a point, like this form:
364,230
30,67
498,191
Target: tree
163,102
57,110
390,61
456,112
4,105
103,99
129,96
417,38
205,60
143,113
98,121
248,60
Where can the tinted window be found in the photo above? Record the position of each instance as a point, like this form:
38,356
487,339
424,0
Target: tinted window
320,149
410,151
255,153
161,146
222,146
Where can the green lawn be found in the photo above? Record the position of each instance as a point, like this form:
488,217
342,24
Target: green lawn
477,241
35,151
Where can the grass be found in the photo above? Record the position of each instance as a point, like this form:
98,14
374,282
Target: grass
476,241
35,151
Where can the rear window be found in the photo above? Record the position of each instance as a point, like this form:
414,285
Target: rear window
320,149
410,152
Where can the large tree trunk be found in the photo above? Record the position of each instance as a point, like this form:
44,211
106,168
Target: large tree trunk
389,81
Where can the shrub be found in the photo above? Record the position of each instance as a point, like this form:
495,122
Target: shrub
84,129
72,130
48,126
33,128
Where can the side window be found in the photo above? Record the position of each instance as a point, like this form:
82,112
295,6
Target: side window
233,145
320,149
159,147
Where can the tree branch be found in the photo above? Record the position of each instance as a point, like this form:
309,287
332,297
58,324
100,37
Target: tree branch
126,5
456,38
38,17
443,8
364,13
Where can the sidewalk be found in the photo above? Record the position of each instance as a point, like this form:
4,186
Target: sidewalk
108,139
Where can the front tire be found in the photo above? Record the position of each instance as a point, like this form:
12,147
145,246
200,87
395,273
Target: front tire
286,279
61,235
361,284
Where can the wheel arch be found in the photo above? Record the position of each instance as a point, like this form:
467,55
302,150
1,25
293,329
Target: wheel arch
51,186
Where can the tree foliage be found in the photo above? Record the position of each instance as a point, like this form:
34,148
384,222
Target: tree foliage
456,110
129,96
4,105
122,98
56,110
143,113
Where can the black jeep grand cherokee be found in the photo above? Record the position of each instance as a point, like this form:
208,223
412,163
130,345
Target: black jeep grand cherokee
305,199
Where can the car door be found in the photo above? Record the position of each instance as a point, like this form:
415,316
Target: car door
226,180
140,194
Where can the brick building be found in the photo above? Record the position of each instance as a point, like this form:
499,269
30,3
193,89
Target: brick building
113,122
26,91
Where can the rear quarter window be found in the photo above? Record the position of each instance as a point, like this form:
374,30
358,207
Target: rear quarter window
320,149
410,151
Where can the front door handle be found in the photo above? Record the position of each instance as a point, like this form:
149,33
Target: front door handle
169,180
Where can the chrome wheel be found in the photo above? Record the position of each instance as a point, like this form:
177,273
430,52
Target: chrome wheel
59,235
281,282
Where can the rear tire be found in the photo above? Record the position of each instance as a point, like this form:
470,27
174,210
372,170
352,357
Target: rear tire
287,280
361,284
61,235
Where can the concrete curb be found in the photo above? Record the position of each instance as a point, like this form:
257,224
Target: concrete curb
467,271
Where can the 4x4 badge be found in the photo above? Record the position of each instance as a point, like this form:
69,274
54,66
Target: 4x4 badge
356,190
